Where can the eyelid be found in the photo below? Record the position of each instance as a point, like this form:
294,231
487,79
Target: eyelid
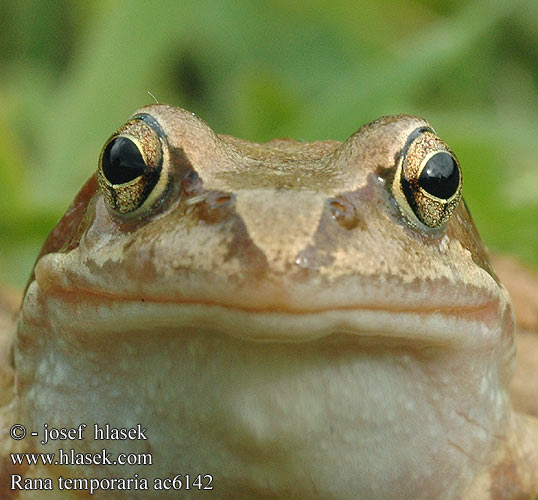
412,137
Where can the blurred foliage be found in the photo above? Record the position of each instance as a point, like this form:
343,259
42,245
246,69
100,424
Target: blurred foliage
72,72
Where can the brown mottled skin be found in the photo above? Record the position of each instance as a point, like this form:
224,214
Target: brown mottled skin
275,319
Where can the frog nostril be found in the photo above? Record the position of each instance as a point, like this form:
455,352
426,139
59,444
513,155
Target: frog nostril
222,200
337,206
344,213
215,206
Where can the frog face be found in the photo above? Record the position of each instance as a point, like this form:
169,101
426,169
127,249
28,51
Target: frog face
183,215
331,301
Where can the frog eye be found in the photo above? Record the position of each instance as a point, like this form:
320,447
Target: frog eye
428,181
130,167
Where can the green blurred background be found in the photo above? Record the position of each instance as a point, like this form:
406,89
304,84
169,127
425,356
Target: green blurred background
72,72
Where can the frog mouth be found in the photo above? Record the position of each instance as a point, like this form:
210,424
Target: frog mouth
101,315
435,312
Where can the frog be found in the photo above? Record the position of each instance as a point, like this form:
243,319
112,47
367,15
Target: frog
273,320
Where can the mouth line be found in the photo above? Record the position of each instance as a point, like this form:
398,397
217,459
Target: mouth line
101,314
478,312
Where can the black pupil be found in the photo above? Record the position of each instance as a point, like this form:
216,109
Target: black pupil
440,177
122,161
